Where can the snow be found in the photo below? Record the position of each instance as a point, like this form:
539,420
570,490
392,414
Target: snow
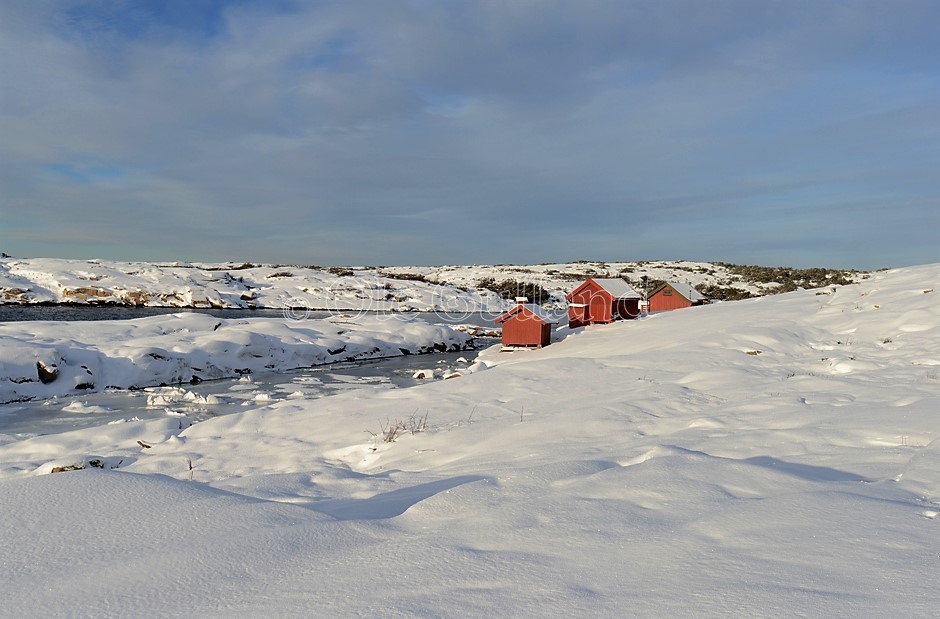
562,278
685,290
535,310
776,456
297,289
618,288
46,359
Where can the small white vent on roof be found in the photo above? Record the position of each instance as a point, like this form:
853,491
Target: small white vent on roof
522,299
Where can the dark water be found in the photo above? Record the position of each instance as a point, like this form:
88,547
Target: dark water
16,313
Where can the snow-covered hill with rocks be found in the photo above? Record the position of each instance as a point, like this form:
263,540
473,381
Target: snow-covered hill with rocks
772,457
47,280
47,359
440,288
754,280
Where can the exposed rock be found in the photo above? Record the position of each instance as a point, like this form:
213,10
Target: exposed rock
95,463
71,467
173,299
135,297
87,293
478,331
47,374
13,295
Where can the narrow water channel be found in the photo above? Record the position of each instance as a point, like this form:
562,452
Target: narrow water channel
193,403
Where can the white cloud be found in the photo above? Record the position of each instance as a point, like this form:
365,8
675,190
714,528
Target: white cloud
354,119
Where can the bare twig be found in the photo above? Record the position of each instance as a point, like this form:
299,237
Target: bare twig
419,424
391,431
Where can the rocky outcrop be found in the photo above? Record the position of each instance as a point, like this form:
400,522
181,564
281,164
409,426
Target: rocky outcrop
135,298
47,373
14,295
87,294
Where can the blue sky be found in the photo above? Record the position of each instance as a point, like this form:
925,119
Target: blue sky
446,131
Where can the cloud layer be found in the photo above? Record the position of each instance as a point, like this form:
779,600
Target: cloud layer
427,132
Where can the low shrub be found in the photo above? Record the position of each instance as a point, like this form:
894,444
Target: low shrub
510,289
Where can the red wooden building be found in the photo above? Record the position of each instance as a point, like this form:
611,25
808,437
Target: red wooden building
601,301
670,296
526,324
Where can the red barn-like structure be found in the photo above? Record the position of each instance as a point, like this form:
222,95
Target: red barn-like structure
670,296
526,325
602,301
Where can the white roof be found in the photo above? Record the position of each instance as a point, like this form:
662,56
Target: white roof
618,288
687,291
535,309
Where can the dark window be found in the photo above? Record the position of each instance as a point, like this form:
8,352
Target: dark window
667,293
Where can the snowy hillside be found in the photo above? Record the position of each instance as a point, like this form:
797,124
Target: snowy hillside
717,279
47,280
442,288
47,359
773,457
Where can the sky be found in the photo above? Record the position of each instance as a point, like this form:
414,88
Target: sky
384,132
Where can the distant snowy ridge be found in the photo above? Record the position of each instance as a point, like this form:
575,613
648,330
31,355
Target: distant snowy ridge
438,288
46,359
716,280
91,282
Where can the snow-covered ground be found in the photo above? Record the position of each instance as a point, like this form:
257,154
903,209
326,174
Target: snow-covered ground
46,359
567,275
49,280
769,457
453,289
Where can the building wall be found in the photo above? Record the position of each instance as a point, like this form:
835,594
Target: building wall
525,330
602,308
661,301
546,334
578,317
599,302
628,308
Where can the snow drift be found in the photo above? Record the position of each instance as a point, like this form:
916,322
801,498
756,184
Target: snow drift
778,456
45,359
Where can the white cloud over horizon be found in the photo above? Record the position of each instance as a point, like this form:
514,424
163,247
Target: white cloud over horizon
377,132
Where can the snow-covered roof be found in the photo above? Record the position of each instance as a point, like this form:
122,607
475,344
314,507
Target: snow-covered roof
539,312
618,288
686,290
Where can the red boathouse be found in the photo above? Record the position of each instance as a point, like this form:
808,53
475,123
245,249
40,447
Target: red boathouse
526,325
601,301
670,296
